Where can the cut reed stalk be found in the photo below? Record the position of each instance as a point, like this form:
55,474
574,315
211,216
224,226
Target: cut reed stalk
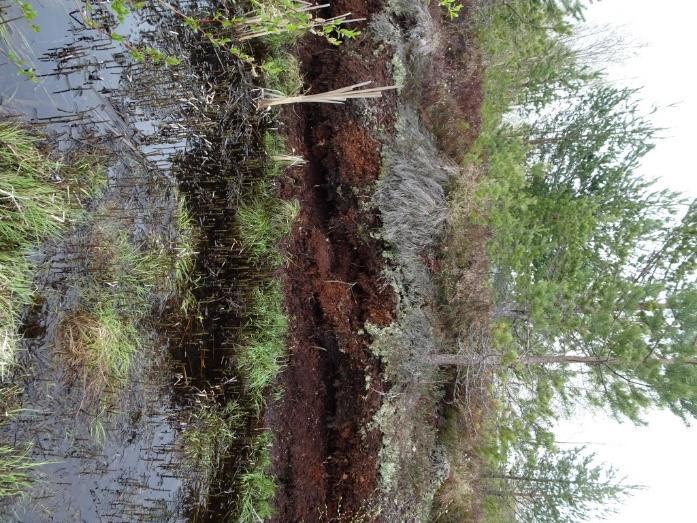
337,96
289,159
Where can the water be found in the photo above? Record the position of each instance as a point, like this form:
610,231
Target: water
188,130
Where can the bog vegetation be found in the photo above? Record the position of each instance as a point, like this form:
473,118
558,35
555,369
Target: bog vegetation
591,266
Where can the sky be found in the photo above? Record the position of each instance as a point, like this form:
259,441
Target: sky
663,455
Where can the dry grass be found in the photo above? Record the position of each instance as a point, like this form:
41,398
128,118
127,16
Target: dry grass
97,348
337,96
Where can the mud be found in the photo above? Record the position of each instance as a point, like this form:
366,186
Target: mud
325,454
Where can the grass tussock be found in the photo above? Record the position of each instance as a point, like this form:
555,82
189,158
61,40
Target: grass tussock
211,433
257,487
15,465
98,346
282,74
15,462
263,223
262,355
185,258
99,340
38,198
265,219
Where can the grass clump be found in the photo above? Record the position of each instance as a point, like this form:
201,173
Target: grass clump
261,357
185,258
256,487
99,345
38,197
266,219
282,74
211,433
125,273
99,339
15,462
263,223
14,466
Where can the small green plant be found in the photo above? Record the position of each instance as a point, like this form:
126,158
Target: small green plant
453,7
280,21
282,74
29,14
139,52
289,19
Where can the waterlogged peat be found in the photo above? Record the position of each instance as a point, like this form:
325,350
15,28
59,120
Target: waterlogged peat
171,138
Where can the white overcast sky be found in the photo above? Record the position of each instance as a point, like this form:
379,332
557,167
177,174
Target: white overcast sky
663,455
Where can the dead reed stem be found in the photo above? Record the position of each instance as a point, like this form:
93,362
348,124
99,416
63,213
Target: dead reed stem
337,96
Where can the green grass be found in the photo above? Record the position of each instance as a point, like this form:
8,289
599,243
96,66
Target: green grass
211,433
257,487
185,249
263,222
129,273
15,462
264,219
98,345
99,339
185,258
262,355
14,466
38,198
282,73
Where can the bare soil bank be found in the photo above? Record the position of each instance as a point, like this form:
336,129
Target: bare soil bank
326,452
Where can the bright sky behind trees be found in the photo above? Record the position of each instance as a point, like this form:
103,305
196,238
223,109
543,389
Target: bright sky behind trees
661,456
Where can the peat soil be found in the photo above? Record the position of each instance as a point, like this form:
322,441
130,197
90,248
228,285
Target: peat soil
325,451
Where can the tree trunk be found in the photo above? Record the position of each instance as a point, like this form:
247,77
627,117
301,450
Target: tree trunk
511,311
528,479
545,359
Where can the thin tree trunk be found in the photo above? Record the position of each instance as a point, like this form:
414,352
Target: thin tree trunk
516,493
527,479
548,359
510,311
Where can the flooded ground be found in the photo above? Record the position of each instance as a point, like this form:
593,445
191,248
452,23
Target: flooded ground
187,133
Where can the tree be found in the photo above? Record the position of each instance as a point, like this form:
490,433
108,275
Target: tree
625,321
596,279
556,486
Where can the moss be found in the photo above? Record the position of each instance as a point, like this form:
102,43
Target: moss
399,72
